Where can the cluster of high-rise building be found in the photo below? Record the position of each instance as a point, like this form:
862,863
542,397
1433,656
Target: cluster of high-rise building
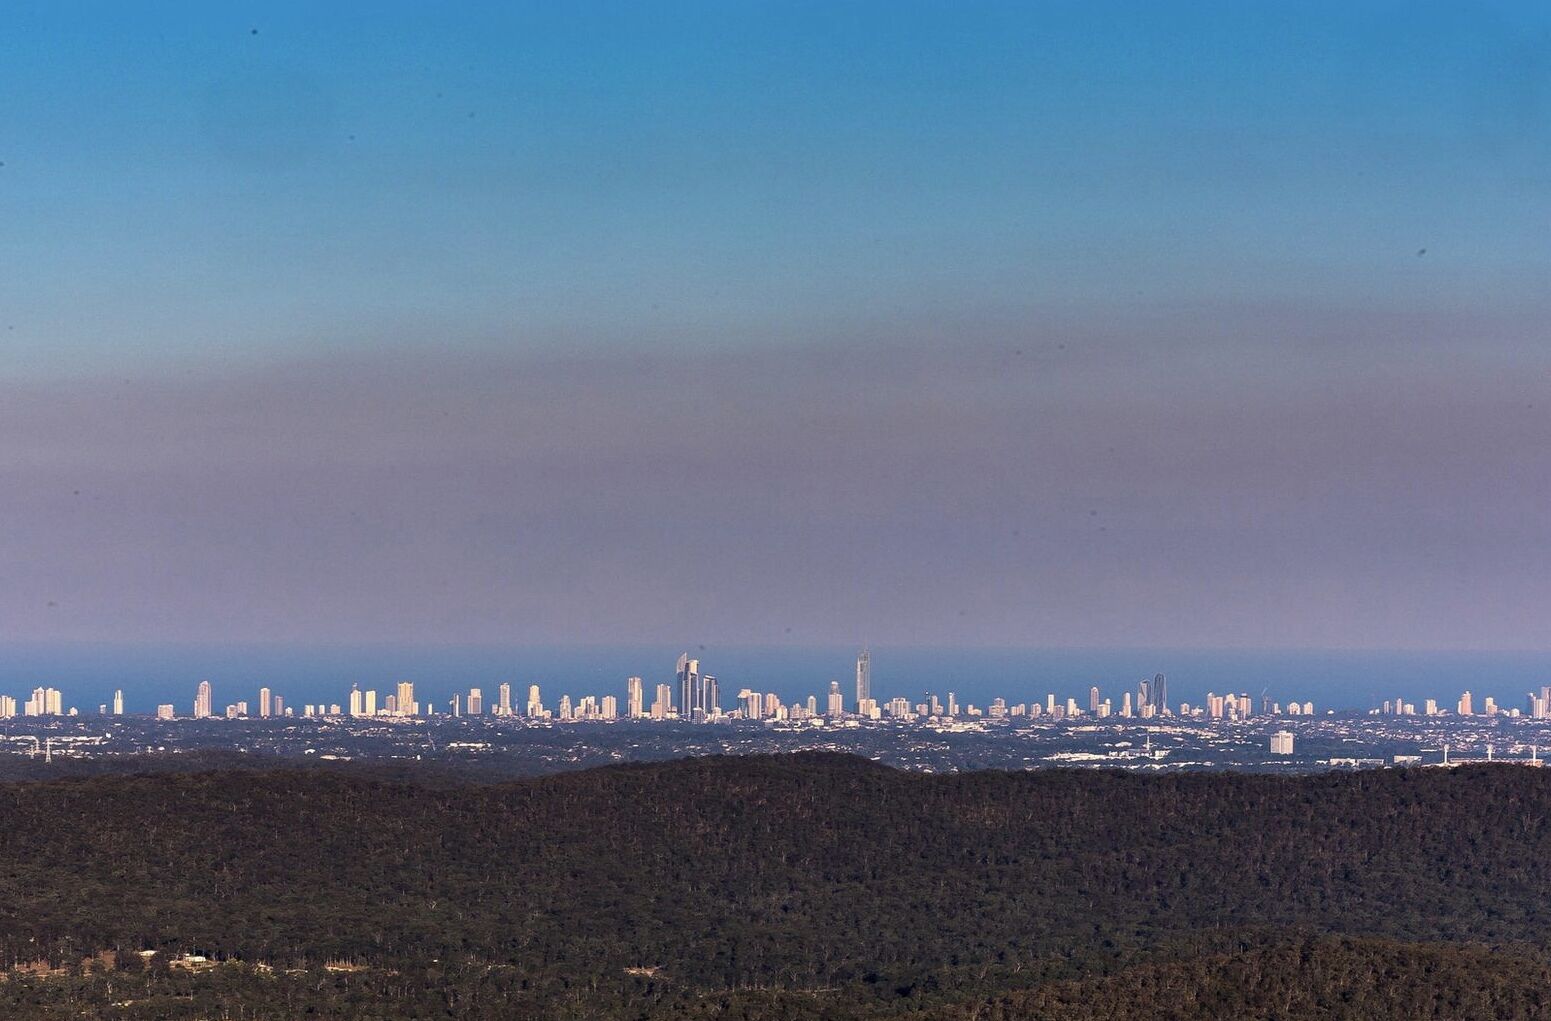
1539,706
1540,702
400,702
44,702
695,696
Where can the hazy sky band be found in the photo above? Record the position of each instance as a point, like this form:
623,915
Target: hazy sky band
1057,324
1044,494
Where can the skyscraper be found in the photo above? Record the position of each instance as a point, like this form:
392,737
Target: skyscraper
355,700
476,702
406,699
535,704
753,705
1160,693
202,701
118,702
698,694
1093,699
505,703
635,698
863,680
266,704
688,675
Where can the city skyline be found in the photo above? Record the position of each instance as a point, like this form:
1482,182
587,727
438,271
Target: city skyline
698,700
1351,682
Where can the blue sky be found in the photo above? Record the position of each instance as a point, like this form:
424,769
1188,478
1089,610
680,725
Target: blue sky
655,285
637,174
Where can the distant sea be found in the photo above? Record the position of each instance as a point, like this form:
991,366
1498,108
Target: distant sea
88,674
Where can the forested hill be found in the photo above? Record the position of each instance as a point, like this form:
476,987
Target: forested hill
774,887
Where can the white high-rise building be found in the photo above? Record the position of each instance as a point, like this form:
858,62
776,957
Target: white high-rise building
1282,743
662,707
535,703
202,701
863,680
635,698
118,702
266,703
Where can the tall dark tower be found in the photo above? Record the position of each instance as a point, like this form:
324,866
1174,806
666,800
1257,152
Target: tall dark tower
863,679
691,694
1160,693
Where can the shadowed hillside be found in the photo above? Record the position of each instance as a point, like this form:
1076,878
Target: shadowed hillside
774,887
